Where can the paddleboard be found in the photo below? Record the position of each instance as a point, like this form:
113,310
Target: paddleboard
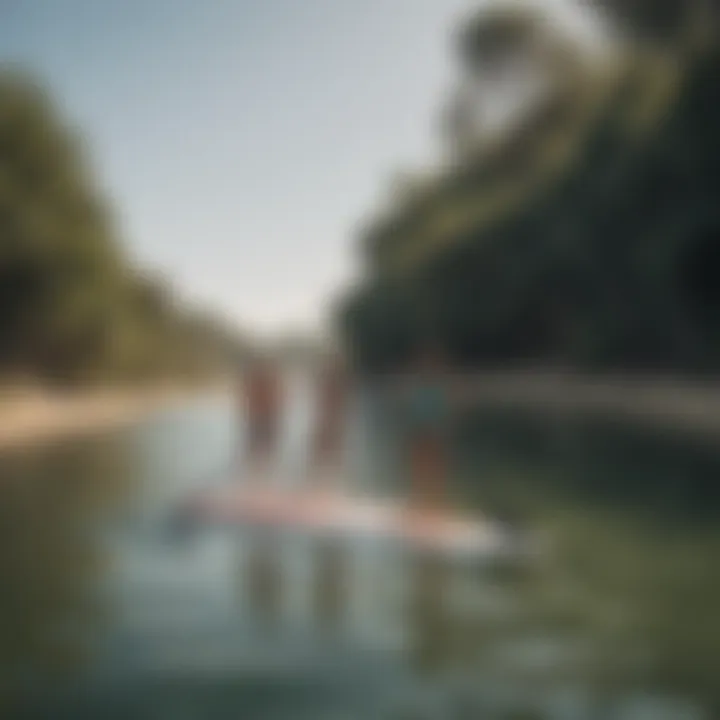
338,515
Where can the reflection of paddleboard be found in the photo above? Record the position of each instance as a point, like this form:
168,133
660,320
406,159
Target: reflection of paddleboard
339,515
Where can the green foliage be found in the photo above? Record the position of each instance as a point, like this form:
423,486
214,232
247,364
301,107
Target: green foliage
73,307
584,235
507,54
383,329
657,21
492,38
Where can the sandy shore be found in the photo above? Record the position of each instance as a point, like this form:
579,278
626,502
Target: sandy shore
28,417
31,416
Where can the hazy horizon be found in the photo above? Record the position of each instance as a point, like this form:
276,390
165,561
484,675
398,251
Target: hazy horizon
240,143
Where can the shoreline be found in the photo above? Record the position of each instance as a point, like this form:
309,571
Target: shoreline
33,417
30,416
651,401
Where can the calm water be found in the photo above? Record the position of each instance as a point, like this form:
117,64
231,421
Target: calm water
105,612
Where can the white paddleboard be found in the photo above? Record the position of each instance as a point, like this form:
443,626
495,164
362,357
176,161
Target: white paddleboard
336,515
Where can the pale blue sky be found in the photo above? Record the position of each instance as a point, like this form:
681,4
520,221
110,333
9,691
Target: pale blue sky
242,140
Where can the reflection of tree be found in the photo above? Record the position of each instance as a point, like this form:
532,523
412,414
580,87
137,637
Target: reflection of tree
330,584
51,501
264,580
428,617
580,231
631,582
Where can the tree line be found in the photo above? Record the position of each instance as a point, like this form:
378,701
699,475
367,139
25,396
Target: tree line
75,308
578,229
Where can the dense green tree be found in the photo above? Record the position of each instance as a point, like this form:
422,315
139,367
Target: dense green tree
510,59
60,265
657,21
585,234
73,307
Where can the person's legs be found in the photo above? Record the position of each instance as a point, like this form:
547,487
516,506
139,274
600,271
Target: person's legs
324,464
327,440
262,442
427,471
427,475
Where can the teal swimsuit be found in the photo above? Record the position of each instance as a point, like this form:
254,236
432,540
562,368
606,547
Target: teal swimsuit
427,408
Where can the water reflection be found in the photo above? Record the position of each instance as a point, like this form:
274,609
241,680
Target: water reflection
264,582
51,562
620,617
331,584
428,617
624,600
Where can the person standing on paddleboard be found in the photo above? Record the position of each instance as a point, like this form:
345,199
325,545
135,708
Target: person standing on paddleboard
331,407
427,435
263,407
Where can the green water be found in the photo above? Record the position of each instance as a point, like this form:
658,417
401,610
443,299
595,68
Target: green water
106,612
630,518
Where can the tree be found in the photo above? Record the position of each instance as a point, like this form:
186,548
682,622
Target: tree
660,22
585,235
60,264
73,307
510,59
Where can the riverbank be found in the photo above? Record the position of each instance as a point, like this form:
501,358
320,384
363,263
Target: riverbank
653,401
662,402
30,416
